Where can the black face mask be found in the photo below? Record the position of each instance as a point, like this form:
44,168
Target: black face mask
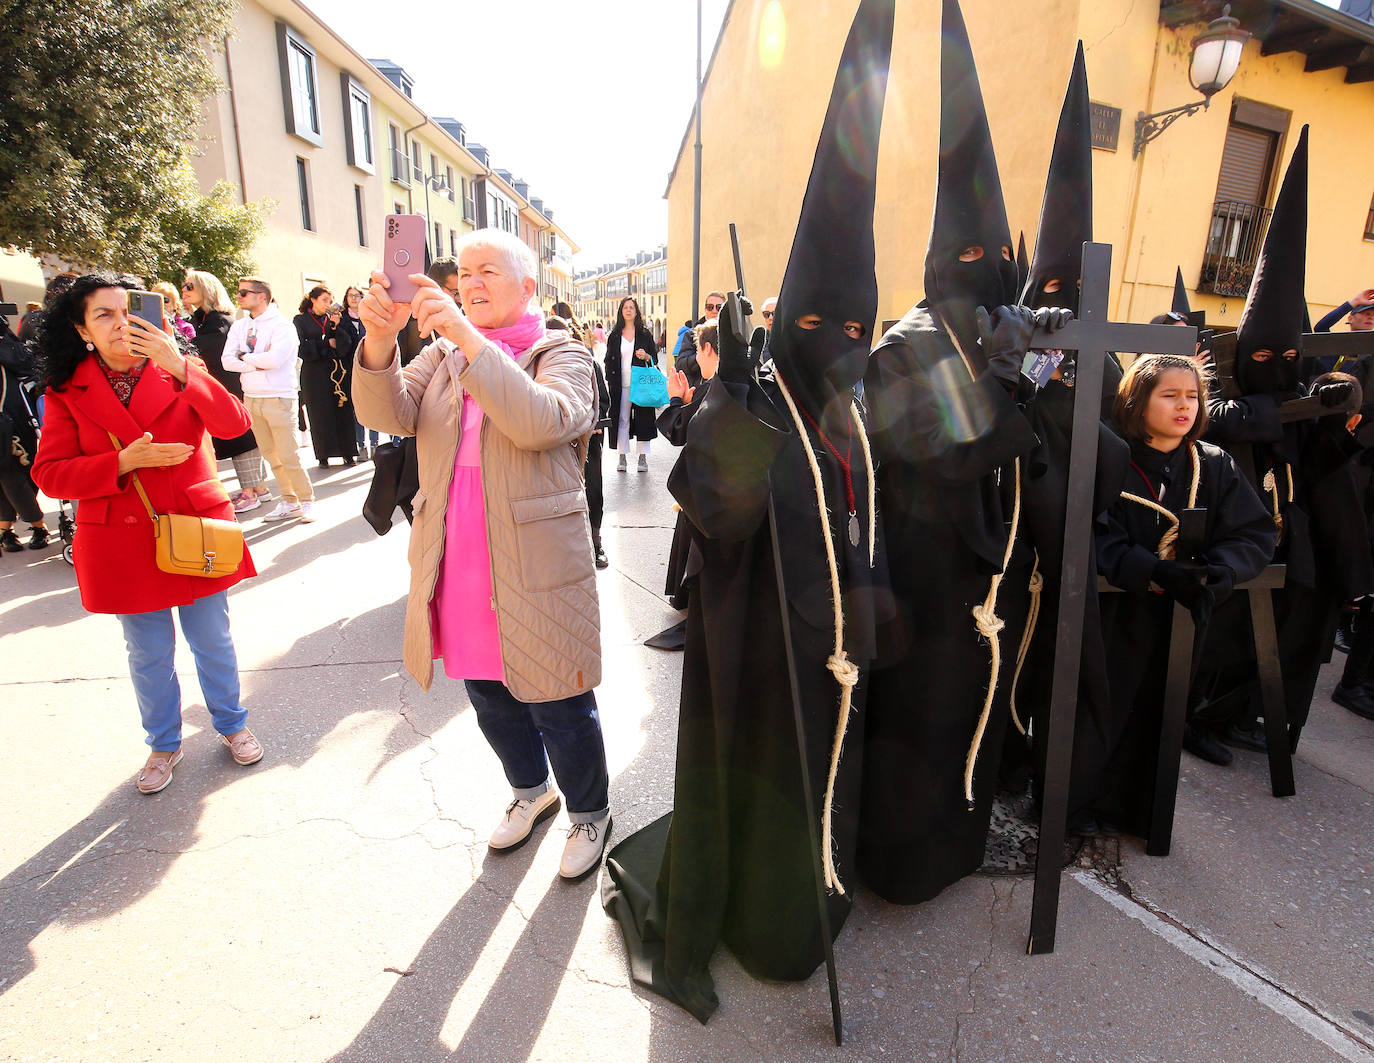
821,365
1274,376
956,289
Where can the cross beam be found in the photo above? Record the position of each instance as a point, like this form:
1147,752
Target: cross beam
1093,335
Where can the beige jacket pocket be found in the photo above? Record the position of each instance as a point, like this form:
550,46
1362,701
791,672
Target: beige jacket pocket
551,537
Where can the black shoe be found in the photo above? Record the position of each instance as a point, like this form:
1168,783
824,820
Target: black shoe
1084,825
349,462
1108,829
1251,738
39,539
1358,700
1344,636
1201,744
324,464
9,541
602,561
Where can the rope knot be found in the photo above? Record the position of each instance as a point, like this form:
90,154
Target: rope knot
845,671
986,619
1037,581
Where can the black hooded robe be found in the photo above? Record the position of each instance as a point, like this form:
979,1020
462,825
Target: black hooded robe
1116,752
733,863
945,446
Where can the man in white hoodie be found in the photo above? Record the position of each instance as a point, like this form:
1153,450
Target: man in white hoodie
262,346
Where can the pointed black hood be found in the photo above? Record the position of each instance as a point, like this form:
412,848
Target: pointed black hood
1276,306
1066,215
1022,261
830,270
969,211
1180,305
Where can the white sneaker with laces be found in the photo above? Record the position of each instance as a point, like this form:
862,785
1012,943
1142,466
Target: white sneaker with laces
643,463
586,843
307,512
284,511
520,818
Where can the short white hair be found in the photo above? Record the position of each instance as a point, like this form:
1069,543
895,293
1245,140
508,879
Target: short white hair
513,251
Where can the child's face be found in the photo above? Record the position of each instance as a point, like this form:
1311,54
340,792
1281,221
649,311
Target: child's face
1172,408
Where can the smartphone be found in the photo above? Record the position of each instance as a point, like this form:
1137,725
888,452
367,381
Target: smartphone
403,253
148,306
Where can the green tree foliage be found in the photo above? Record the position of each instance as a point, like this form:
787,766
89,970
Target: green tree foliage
213,233
99,100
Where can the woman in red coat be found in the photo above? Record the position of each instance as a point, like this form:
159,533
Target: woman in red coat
107,372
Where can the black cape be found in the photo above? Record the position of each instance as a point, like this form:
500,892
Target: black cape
733,863
326,376
212,329
945,444
1116,751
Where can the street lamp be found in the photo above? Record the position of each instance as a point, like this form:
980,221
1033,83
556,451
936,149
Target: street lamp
1216,55
439,184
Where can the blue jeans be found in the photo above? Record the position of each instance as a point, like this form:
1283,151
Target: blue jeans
360,431
527,737
151,638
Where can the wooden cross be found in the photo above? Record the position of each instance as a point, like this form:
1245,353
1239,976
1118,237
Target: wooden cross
1093,336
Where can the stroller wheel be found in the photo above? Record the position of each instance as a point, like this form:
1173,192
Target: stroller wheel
67,554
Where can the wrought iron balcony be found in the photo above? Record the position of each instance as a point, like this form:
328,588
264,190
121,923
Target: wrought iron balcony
1234,240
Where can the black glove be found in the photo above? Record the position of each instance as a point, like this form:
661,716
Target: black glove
1335,393
1184,584
1004,336
738,361
1053,318
1221,581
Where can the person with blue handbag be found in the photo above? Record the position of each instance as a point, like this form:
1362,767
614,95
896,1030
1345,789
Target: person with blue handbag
633,375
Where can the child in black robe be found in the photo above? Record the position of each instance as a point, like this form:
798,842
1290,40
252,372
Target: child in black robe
1159,412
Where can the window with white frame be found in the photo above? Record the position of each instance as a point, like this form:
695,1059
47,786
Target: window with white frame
399,165
303,186
448,180
358,125
300,85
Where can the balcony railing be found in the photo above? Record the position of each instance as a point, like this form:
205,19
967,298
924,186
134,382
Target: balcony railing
1234,240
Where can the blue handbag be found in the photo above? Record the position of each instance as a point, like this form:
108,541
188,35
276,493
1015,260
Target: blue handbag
648,387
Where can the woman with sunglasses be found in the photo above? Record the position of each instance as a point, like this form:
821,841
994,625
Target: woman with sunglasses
211,314
629,344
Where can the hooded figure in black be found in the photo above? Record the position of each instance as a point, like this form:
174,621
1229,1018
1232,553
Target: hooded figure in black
734,861
949,438
1291,465
1053,280
1180,304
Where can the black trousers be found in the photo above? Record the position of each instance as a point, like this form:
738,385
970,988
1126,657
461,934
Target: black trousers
18,495
596,501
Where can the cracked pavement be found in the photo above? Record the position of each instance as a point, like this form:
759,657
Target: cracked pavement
337,900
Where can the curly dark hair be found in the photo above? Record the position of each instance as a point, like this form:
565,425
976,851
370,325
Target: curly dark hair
315,293
60,347
620,315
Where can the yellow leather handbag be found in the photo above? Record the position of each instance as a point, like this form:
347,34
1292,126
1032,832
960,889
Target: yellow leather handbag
192,546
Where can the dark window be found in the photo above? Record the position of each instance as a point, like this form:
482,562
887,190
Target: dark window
1369,223
400,167
438,239
300,88
1240,212
303,180
358,207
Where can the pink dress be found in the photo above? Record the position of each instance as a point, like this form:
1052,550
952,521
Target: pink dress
463,609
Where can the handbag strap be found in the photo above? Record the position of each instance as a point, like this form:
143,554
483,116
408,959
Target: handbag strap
138,486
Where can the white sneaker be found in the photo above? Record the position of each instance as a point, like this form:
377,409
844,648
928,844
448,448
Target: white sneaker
521,816
586,842
620,467
643,463
307,512
284,511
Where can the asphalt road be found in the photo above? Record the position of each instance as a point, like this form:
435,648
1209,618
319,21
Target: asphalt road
337,900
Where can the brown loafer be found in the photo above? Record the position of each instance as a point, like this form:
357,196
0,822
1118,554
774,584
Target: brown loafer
243,747
157,772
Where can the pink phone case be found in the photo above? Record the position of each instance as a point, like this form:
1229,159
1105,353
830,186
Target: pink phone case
403,253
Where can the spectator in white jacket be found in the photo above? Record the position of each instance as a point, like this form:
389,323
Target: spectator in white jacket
262,346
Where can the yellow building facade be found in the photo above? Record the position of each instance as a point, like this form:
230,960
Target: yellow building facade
764,99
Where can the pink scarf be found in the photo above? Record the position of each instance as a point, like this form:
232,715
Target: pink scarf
516,339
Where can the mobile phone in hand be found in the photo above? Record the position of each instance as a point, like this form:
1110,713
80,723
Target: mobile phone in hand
403,253
148,306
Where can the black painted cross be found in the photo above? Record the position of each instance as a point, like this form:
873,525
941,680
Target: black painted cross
1092,335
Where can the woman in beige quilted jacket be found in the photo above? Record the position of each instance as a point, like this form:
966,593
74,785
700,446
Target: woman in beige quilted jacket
503,586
